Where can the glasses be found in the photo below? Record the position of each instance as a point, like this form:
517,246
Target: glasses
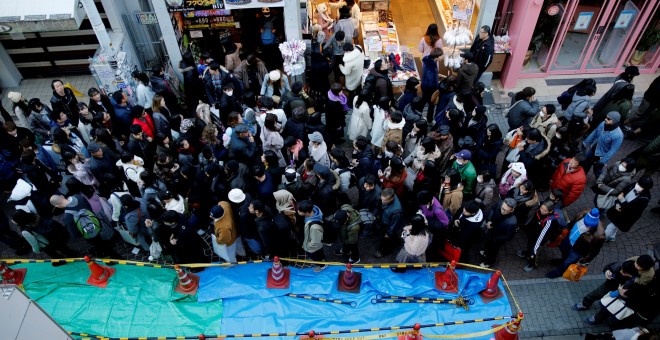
608,118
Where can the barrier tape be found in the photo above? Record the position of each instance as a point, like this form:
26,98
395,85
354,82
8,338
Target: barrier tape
309,297
361,330
460,301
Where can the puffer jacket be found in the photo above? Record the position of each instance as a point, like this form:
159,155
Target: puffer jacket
578,107
615,180
350,231
352,68
411,116
521,113
485,194
571,184
466,76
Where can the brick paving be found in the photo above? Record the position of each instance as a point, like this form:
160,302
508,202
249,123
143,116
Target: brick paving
546,302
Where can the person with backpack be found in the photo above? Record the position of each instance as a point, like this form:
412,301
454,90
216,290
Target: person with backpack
378,81
566,98
578,113
80,220
44,234
349,221
313,233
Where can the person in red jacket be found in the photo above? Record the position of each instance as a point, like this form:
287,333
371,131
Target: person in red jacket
569,178
140,117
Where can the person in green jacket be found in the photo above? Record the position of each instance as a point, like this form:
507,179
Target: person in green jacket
468,174
349,221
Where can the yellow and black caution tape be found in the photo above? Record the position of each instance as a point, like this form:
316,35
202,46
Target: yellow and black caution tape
460,301
309,297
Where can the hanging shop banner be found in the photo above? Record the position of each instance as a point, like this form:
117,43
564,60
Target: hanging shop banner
192,5
241,4
209,18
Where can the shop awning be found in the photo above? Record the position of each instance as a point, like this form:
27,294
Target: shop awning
40,16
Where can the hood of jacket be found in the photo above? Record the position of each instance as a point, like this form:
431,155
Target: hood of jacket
469,70
317,215
579,98
352,56
394,126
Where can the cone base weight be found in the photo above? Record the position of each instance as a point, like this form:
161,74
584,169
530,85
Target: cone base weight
503,334
355,288
192,289
487,300
20,276
284,284
101,283
449,287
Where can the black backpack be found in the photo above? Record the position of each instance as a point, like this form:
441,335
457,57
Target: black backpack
353,181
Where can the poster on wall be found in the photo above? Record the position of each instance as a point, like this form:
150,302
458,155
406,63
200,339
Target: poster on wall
624,19
241,4
583,21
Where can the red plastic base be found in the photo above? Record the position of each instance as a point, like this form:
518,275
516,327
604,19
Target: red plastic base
103,282
447,287
503,334
342,287
489,299
20,276
284,284
192,288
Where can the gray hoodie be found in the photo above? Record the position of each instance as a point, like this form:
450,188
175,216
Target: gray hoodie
578,107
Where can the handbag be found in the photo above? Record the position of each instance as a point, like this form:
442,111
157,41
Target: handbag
605,201
435,97
575,272
450,252
616,306
505,112
126,235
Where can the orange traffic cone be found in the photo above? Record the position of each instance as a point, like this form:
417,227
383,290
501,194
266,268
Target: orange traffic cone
278,277
100,274
415,334
447,281
188,283
349,281
510,332
492,291
12,276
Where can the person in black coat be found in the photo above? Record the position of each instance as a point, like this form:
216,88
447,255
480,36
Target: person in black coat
161,86
364,158
99,102
629,206
243,148
295,127
466,228
501,225
228,102
483,48
142,146
263,218
180,238
63,100
475,125
320,70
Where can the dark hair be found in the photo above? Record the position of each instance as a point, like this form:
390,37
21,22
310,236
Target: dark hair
336,88
432,33
384,103
271,158
487,175
270,122
169,216
396,117
549,204
580,158
297,86
214,66
629,268
626,93
454,178
435,53
136,129
305,206
118,96
528,92
471,206
258,205
424,197
93,91
361,142
397,165
486,29
266,102
534,134
24,218
528,185
423,127
428,144
364,96
258,170
166,195
52,83
347,47
340,35
495,132
550,108
387,192
370,179
645,262
417,225
478,88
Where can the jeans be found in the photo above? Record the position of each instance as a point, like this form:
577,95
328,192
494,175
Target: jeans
568,255
254,245
598,293
610,232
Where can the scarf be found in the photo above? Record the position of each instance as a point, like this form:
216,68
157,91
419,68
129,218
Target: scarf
520,198
612,127
341,98
296,149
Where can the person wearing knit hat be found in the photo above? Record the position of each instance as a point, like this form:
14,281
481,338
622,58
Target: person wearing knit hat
225,240
583,242
603,143
628,207
20,107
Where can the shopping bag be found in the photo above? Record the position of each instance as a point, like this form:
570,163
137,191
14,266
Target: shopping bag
450,252
616,306
575,272
605,201
126,235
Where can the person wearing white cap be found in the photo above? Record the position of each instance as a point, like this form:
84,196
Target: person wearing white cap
275,85
20,107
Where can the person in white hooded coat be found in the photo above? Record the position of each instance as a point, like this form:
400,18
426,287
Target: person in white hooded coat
361,122
512,178
352,68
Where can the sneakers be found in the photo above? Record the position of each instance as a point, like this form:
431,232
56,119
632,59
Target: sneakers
579,307
521,253
265,257
351,261
328,244
339,252
484,265
482,253
529,268
591,320
318,269
610,239
378,254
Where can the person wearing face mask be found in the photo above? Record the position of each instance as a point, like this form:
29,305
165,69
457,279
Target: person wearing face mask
629,206
570,179
467,171
228,103
546,121
485,190
615,178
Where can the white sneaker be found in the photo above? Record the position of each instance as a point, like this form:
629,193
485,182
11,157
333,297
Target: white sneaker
318,269
484,265
353,262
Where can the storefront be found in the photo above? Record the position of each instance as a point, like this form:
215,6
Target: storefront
562,37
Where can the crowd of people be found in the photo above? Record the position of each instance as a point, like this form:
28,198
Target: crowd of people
270,167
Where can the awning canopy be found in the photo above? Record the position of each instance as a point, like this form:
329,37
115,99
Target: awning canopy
40,15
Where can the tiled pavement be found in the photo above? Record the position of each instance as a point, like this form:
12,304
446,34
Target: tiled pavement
546,303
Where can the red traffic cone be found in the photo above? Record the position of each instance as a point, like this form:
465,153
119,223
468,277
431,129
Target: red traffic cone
188,283
492,291
12,276
349,281
415,334
100,274
510,331
278,276
447,281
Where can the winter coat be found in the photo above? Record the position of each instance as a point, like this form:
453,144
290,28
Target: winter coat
242,74
162,124
348,27
476,130
467,74
313,232
414,246
521,113
378,127
335,46
39,123
350,231
437,213
483,51
383,85
453,199
393,133
272,140
547,127
429,73
294,128
214,94
570,184
144,95
468,175
232,60
630,211
578,107
421,156
366,159
613,179
485,194
105,106
67,104
395,182
268,90
406,98
225,228
147,125
360,122
352,69
411,116
392,217
503,227
607,142
243,150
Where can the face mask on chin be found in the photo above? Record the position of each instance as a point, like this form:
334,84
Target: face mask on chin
622,168
480,179
229,93
542,114
638,189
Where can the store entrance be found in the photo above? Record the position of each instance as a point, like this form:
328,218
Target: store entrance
585,36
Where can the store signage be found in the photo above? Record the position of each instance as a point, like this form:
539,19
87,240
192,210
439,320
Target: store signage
457,14
192,5
146,18
208,22
625,18
583,21
239,4
552,10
